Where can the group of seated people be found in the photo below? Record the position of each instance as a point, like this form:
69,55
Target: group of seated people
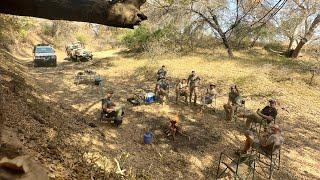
265,141
187,88
270,137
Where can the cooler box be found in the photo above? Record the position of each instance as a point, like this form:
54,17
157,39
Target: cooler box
150,98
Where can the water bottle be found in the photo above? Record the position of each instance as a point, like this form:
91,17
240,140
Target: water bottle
147,138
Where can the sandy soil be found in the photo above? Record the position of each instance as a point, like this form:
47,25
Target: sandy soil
81,137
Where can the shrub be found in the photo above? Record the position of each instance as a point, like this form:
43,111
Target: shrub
274,46
47,29
137,38
82,38
159,41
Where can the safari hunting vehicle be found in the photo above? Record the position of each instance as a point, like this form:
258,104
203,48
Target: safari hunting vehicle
44,55
77,52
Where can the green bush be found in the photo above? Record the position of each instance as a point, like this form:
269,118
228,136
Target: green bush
47,29
136,39
274,46
142,39
82,38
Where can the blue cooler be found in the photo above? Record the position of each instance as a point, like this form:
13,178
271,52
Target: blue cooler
150,98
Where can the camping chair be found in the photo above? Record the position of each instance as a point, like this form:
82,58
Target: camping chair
163,99
241,105
179,94
236,162
269,161
212,105
258,126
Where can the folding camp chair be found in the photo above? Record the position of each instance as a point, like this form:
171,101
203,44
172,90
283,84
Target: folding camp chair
258,126
236,162
242,106
212,105
269,161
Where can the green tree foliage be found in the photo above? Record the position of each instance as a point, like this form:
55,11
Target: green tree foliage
136,39
143,39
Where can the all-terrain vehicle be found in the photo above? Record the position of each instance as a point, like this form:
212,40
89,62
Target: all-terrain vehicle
44,55
77,52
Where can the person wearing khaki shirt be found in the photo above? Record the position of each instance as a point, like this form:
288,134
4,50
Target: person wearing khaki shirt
182,90
193,81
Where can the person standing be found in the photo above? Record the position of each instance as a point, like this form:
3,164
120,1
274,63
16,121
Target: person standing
193,82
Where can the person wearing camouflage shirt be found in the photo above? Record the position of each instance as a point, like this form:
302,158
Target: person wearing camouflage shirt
161,90
162,73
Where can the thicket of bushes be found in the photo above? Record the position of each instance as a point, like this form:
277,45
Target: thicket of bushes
167,39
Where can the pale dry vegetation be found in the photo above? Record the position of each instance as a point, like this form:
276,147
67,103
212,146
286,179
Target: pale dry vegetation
76,126
45,115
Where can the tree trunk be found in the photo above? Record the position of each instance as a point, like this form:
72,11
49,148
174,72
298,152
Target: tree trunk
227,46
253,43
125,13
291,40
307,37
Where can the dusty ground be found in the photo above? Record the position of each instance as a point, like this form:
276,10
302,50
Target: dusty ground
70,141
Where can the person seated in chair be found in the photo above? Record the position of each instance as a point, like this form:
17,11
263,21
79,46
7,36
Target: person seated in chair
161,90
182,90
162,73
210,94
233,102
268,142
111,110
265,116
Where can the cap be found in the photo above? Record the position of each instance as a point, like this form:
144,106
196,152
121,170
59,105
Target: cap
272,101
109,92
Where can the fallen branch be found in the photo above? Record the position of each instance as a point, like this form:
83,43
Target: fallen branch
119,170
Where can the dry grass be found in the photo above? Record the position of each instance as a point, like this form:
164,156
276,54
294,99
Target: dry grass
259,75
